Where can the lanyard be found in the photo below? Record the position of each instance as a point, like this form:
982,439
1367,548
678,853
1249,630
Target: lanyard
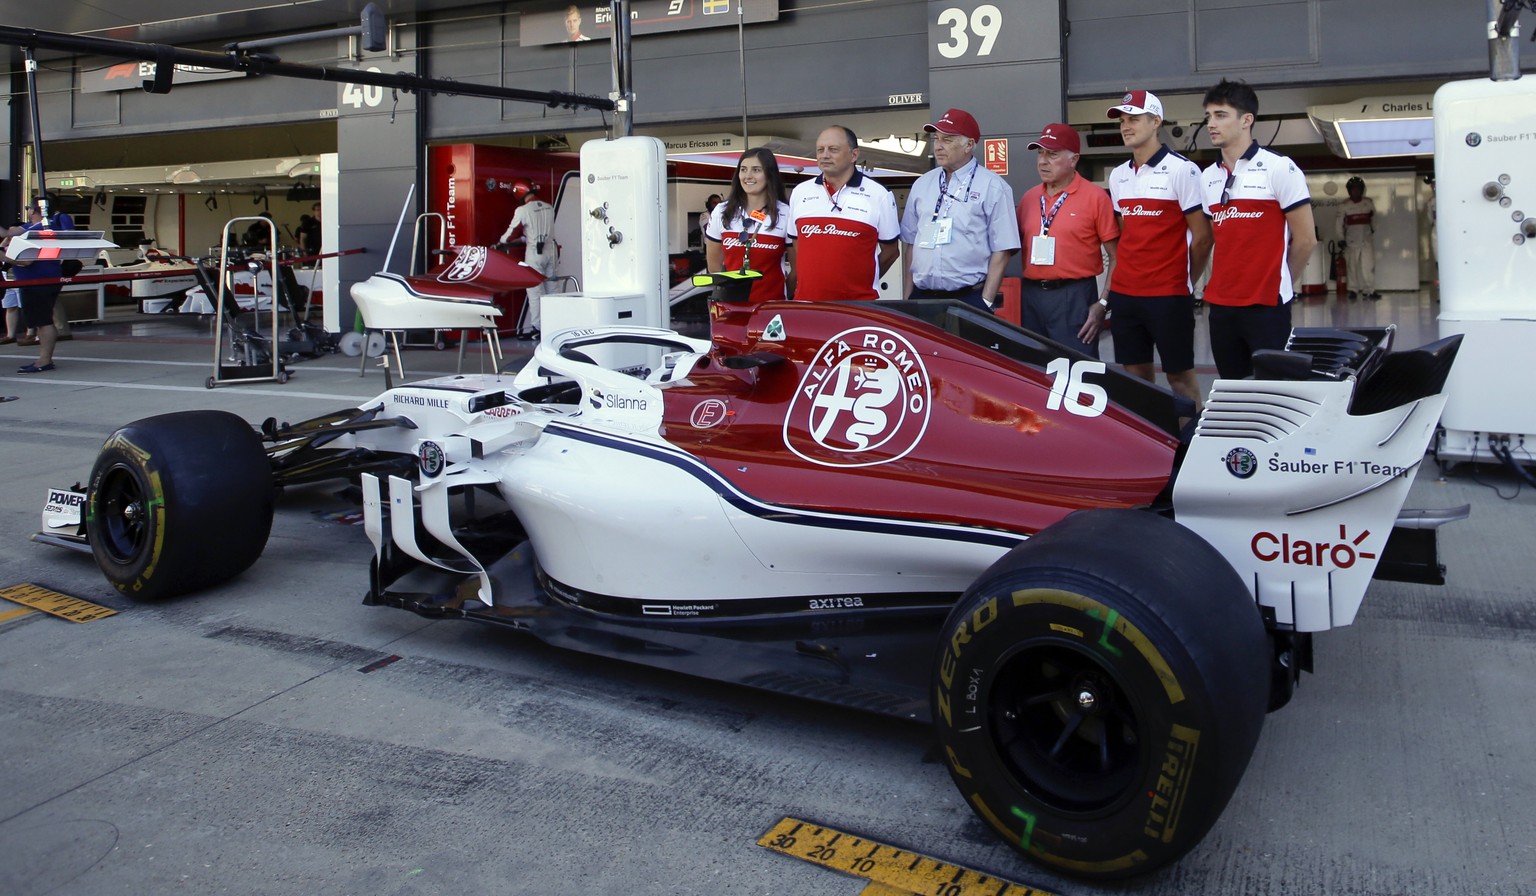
1046,219
944,190
832,196
745,234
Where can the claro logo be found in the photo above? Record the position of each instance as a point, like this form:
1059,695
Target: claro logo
1296,551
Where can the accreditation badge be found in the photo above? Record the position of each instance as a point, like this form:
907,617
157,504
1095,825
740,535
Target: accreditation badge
1042,250
938,232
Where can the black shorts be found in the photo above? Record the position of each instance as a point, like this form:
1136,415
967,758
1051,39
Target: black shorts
1239,331
37,304
1141,322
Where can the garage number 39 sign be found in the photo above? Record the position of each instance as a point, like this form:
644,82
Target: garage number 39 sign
972,32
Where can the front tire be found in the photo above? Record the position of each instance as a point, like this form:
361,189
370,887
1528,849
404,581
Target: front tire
1100,690
179,502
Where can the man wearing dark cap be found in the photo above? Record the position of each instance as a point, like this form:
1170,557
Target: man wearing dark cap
1165,243
959,227
1068,228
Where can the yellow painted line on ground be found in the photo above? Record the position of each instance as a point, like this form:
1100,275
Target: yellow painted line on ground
17,613
55,604
890,871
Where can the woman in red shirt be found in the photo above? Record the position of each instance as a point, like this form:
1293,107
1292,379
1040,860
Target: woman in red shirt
751,226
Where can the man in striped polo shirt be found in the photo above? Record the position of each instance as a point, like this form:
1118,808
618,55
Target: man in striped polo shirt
1261,220
1165,242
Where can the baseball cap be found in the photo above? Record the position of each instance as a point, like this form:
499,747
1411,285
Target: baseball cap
1138,102
1058,136
958,122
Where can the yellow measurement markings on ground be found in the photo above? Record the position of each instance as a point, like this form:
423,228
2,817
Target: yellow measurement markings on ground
52,602
891,871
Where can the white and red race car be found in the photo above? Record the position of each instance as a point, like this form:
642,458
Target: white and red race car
911,508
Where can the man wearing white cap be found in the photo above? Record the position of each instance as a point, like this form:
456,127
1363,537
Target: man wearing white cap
1165,243
1068,228
959,228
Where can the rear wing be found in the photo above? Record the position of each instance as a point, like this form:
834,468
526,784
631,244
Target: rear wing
1299,478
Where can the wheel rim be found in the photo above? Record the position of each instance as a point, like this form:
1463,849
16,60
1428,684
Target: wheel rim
122,510
1065,729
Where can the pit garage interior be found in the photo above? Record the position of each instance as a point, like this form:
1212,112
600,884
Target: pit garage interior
242,741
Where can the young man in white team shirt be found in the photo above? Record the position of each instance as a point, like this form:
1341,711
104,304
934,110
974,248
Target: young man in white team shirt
1165,243
1261,220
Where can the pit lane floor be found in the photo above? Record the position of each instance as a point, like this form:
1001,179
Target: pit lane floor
246,740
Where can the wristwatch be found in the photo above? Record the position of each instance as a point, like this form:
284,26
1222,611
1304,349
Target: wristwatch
1104,302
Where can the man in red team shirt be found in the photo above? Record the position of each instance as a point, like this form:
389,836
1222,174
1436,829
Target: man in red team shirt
1261,220
845,225
1068,229
1165,243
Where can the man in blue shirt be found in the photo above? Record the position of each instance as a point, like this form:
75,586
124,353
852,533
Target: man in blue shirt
37,302
959,227
61,220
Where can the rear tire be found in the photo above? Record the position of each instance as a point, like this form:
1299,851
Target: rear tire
1100,690
179,502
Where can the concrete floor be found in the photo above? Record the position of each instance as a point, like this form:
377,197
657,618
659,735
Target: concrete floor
235,742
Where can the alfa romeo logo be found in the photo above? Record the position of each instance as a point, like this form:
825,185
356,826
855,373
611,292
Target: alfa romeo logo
864,400
430,457
1241,463
466,266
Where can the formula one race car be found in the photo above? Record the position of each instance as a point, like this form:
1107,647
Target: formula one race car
912,508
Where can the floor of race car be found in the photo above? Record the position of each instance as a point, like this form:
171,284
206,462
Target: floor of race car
275,735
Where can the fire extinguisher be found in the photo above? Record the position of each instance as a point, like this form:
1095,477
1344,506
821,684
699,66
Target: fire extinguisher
1336,262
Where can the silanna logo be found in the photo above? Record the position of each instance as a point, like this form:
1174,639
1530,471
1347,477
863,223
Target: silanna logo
601,400
467,266
863,401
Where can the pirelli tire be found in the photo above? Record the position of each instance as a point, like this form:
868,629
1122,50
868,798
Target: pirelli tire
179,502
1099,692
